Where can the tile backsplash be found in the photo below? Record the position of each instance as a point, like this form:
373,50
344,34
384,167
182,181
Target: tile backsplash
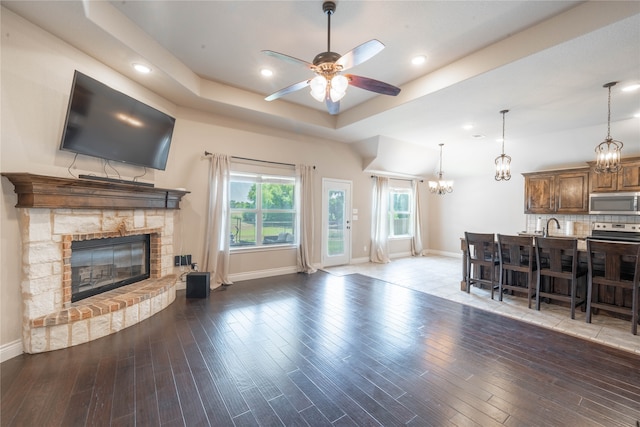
582,224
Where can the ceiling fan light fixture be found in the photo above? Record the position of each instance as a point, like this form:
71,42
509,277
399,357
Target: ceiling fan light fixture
328,65
339,86
318,86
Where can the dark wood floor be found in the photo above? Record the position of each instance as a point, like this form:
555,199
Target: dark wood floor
324,350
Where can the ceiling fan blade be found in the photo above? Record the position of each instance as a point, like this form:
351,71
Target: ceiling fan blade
360,54
287,90
372,85
333,107
288,58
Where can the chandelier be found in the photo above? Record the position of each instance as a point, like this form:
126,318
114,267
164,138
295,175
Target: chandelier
608,151
503,162
440,186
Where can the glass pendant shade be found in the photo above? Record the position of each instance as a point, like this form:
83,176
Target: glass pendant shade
608,152
503,162
339,86
440,186
318,87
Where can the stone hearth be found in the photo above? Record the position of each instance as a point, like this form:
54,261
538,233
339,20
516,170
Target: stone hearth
50,320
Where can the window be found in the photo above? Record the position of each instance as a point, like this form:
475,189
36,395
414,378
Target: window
400,212
262,210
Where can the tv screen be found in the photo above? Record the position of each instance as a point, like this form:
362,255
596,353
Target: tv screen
108,124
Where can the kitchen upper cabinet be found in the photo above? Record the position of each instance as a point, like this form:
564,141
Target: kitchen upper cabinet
538,193
565,191
572,192
629,176
627,179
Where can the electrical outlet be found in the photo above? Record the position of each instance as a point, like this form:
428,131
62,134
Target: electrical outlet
180,260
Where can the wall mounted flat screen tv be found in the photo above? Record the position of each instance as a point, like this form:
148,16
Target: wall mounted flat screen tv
108,124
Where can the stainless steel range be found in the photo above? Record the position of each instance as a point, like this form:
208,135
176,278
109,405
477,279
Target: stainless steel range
615,231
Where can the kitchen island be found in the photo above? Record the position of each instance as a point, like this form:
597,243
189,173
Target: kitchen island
618,297
582,252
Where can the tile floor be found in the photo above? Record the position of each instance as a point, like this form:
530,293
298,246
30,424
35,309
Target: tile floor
441,276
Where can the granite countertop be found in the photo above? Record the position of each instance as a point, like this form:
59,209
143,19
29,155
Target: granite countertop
582,242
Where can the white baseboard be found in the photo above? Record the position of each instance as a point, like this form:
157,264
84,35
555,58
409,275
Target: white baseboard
400,255
259,274
10,350
443,253
362,260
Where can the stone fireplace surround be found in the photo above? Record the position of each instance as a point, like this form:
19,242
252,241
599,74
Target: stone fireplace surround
52,213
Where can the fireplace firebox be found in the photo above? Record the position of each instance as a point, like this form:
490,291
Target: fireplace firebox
99,265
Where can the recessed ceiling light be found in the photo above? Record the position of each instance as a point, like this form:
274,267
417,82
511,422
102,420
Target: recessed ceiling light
467,126
631,87
141,68
420,59
637,115
266,72
477,136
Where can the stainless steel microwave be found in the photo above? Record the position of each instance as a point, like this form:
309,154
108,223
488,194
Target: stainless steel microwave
614,203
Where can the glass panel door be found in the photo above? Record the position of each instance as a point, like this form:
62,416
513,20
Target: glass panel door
336,222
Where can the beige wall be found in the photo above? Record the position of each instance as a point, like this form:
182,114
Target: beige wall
36,77
198,132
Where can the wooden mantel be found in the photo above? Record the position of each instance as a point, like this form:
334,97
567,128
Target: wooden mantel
38,191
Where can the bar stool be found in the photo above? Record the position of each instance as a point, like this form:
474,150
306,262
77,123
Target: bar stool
517,258
614,272
481,254
558,259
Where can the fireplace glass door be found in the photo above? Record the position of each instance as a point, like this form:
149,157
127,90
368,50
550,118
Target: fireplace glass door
100,265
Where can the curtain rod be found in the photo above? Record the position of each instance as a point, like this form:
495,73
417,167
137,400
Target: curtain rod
206,153
400,179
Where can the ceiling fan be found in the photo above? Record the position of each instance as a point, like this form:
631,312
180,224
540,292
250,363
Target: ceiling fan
329,85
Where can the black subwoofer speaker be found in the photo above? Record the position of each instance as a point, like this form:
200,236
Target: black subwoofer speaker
198,285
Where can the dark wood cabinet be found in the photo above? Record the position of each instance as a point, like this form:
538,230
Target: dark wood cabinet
564,191
629,176
572,192
538,193
627,179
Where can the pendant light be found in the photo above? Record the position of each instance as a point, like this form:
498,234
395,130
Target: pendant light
608,151
440,186
503,162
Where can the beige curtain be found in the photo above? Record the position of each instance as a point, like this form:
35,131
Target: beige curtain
380,221
304,199
416,241
216,243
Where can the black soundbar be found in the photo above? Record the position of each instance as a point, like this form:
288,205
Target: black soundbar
116,180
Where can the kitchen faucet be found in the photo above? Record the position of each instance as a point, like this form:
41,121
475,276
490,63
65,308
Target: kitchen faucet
545,231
